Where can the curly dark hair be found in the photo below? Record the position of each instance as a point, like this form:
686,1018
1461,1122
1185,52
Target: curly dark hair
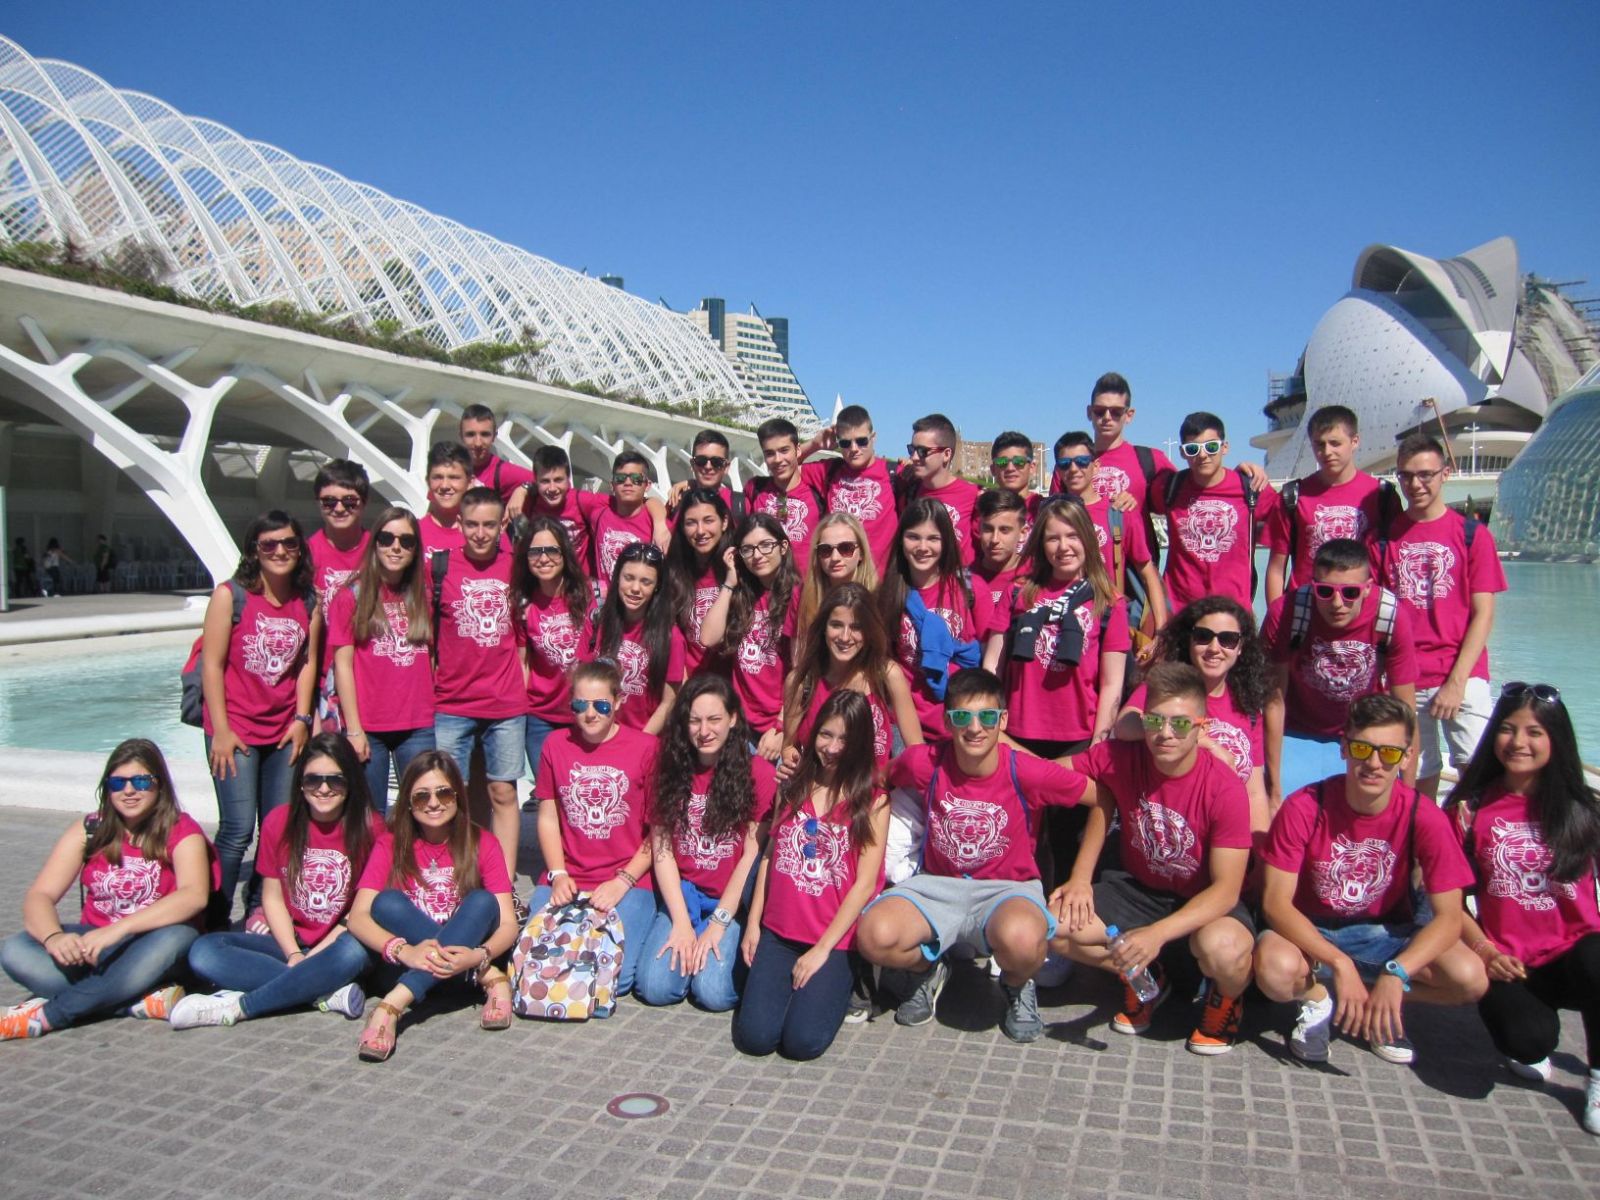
732,799
779,590
1250,680
685,564
248,572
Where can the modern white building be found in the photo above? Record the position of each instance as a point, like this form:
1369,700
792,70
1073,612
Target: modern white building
1466,348
759,348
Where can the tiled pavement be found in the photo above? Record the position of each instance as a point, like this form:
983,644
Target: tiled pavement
281,1108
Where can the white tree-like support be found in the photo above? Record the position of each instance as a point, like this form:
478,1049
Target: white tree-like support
248,223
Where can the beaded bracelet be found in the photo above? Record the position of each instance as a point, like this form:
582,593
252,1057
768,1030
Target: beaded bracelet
624,874
392,948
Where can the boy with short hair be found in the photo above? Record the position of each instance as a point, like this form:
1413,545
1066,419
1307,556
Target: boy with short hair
1124,467
783,493
449,476
1185,842
1331,642
554,496
1121,535
1338,501
1339,860
629,514
709,460
932,454
480,677
1000,516
1445,570
1011,464
858,482
478,431
978,885
341,488
1214,517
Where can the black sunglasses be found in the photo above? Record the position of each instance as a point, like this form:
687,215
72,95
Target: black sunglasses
1228,639
385,539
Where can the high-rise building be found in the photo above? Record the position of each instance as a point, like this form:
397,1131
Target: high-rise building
758,347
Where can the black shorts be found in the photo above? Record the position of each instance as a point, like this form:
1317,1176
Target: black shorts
1121,900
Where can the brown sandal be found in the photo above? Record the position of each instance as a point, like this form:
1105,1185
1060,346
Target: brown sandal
377,1043
496,1009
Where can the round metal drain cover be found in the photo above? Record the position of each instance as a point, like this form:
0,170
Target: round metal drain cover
636,1106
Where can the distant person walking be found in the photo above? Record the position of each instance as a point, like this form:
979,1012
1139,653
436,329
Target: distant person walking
54,558
105,561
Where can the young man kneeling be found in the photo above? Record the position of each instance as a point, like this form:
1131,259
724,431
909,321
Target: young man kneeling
1339,861
1185,842
978,885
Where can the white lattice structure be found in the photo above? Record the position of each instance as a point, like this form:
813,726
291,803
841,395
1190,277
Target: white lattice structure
250,223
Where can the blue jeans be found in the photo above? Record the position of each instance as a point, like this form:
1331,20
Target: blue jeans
503,747
253,964
260,783
637,910
535,731
475,918
399,746
773,1015
131,969
715,988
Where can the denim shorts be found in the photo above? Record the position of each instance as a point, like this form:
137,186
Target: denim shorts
958,909
504,747
1369,945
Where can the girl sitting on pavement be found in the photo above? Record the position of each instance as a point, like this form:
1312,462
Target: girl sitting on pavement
1530,827
824,864
312,851
434,901
144,872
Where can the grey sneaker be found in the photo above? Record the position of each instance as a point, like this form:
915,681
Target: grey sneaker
1400,1051
1021,1022
1313,1030
349,1002
917,1009
198,1011
860,1010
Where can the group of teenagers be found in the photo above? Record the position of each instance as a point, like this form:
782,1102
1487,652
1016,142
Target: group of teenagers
812,738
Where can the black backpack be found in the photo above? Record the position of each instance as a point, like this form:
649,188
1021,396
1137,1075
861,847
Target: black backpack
191,697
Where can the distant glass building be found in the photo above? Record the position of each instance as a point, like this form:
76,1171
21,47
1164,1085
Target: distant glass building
1549,504
758,348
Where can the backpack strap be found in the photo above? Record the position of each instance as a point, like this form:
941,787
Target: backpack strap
927,806
1469,530
1389,507
499,465
1016,784
1388,606
736,505
1119,553
1300,617
1251,496
1174,484
1147,463
438,567
1290,496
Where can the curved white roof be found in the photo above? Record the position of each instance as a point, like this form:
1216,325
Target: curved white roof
247,222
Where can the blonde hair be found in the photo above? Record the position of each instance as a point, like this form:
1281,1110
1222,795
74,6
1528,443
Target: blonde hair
815,585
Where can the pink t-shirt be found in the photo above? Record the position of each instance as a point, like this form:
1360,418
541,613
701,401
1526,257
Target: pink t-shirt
436,537
1353,866
1229,729
554,639
707,587
866,495
1524,912
113,892
434,890
603,796
798,511
610,533
394,677
1428,567
1325,512
978,826
960,498
761,663
266,651
814,862
1054,701
999,584
1209,538
708,862
331,567
1135,549
1170,824
968,622
882,721
480,666
504,477
1117,470
633,661
327,876
1332,668
570,514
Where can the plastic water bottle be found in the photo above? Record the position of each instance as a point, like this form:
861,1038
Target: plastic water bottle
1141,981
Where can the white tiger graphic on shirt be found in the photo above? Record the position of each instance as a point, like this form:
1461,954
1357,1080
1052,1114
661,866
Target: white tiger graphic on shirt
1519,867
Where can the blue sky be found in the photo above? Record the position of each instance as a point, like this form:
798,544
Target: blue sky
967,208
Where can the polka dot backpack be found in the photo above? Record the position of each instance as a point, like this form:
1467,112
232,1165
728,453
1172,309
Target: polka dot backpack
566,963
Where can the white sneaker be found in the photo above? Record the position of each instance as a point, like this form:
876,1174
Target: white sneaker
219,1008
1591,1105
1056,970
349,1002
1538,1072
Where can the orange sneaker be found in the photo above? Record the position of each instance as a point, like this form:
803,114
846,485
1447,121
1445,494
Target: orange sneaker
25,1020
1136,1013
1219,1023
158,1005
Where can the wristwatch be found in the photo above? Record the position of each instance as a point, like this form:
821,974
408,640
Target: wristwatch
722,917
1394,968
304,719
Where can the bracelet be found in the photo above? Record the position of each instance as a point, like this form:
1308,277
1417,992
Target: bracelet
556,873
48,936
484,965
730,586
392,948
1477,947
628,876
